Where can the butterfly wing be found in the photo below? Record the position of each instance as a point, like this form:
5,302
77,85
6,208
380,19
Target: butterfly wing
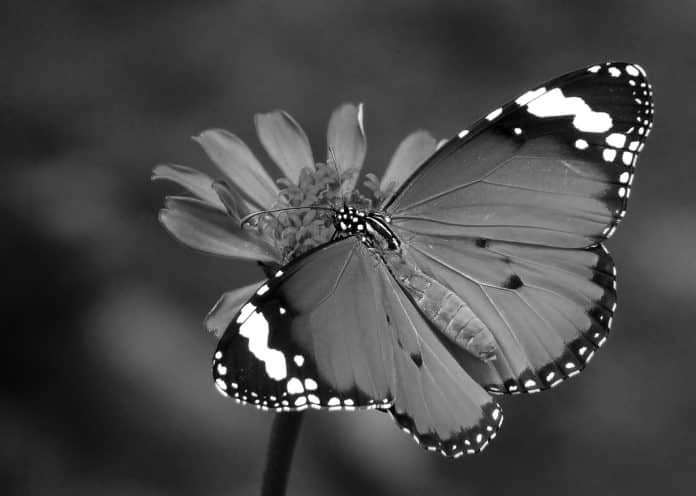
312,336
553,167
434,399
503,214
549,309
334,330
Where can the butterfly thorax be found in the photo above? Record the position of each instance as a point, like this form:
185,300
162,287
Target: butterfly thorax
371,227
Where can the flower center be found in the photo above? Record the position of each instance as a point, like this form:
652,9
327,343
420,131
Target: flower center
297,231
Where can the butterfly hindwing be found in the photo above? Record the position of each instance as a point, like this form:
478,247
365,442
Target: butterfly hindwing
434,399
553,167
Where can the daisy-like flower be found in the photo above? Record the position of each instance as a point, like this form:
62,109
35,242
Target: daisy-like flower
210,220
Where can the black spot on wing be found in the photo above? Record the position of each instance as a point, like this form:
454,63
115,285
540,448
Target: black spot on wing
482,243
417,359
513,282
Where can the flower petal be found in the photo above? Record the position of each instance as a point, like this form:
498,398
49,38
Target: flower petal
240,166
220,316
411,153
285,142
196,182
203,227
346,137
232,199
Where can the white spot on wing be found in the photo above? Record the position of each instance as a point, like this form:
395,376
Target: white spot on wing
263,290
594,69
581,144
554,104
617,140
294,386
463,133
614,71
299,360
632,71
310,384
609,154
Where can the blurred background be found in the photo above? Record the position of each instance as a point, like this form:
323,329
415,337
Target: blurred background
106,385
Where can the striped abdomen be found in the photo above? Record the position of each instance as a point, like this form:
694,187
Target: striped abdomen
447,311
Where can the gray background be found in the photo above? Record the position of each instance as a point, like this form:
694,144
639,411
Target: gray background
106,384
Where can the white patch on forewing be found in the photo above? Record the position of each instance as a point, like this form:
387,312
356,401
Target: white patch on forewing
614,71
581,144
333,401
494,114
627,158
310,384
221,369
594,69
263,290
245,312
624,177
299,360
463,133
617,140
632,71
255,329
555,104
517,131
529,96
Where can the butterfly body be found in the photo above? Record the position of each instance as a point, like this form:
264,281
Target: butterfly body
484,272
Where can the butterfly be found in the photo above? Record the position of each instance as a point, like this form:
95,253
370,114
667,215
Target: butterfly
484,273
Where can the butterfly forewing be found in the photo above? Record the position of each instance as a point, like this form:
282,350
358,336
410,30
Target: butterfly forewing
553,167
310,337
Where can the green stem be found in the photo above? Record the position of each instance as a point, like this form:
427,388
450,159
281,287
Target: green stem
284,433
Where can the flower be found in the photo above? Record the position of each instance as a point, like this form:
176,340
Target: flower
210,220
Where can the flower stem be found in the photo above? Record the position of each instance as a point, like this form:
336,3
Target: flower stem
284,431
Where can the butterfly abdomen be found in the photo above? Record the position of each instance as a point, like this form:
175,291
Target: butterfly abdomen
447,311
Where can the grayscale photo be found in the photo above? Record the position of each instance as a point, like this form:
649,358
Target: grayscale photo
310,248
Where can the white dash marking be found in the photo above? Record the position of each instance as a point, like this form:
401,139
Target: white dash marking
463,133
529,96
632,71
594,69
247,310
263,290
333,401
494,114
627,158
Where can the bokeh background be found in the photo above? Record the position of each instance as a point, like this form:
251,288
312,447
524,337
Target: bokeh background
105,367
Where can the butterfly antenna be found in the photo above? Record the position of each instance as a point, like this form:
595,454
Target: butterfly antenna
338,175
247,218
